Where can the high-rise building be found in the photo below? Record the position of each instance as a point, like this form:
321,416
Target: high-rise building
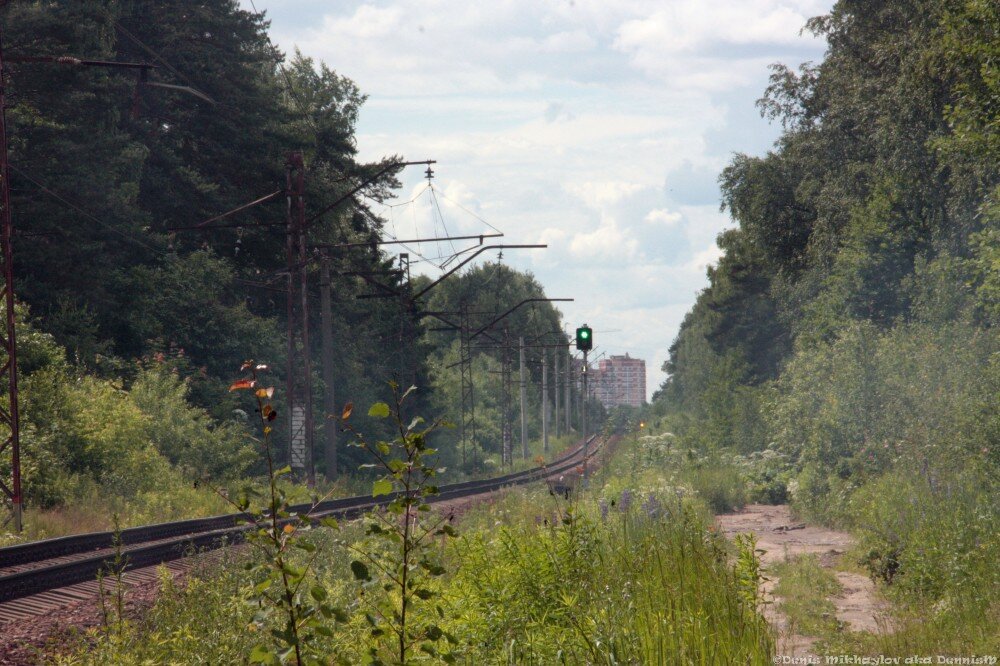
620,380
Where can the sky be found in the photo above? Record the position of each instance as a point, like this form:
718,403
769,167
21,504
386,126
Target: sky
597,127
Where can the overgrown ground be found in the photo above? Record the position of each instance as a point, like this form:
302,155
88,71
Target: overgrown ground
628,571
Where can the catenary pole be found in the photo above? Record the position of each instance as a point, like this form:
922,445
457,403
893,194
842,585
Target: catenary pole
545,400
329,402
9,414
524,399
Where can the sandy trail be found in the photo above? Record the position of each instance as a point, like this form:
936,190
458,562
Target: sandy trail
859,607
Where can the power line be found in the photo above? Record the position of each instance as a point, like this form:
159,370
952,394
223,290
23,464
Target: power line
156,56
84,212
455,203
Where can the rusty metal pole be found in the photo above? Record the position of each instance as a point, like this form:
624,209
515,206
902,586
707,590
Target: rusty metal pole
11,415
555,392
299,220
545,400
507,455
329,402
524,399
568,395
295,416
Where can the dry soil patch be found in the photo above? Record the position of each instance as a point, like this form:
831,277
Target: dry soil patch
780,536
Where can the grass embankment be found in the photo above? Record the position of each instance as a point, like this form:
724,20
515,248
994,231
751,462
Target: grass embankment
627,572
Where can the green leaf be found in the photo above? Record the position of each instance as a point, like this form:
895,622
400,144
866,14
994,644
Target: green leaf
261,655
360,571
318,592
330,522
381,487
433,632
379,410
423,594
287,469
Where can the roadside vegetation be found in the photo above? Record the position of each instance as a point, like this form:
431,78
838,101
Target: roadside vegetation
627,571
849,333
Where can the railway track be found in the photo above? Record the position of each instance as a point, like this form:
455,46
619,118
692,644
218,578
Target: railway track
41,575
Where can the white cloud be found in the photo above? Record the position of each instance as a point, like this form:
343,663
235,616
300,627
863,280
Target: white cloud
664,217
590,125
609,244
600,195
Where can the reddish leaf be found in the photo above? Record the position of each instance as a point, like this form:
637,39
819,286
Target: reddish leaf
241,384
348,408
273,414
246,365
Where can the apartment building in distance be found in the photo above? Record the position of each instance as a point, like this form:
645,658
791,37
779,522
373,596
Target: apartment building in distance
619,380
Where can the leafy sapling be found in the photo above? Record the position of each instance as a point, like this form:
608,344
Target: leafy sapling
396,568
283,586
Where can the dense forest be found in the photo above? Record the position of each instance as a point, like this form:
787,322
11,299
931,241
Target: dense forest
850,328
131,326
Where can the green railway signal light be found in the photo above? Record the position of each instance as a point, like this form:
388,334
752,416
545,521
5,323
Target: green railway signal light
584,338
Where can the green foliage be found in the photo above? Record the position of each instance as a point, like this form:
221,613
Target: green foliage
488,291
282,586
147,291
397,566
192,442
921,397
87,440
529,581
863,274
638,587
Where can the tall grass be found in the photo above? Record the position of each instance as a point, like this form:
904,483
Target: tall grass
533,579
646,585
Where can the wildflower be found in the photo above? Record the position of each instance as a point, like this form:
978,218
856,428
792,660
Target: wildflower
651,506
626,501
603,506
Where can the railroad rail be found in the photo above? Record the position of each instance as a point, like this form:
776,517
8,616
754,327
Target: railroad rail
39,566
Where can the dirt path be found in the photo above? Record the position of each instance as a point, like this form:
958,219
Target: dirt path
859,607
